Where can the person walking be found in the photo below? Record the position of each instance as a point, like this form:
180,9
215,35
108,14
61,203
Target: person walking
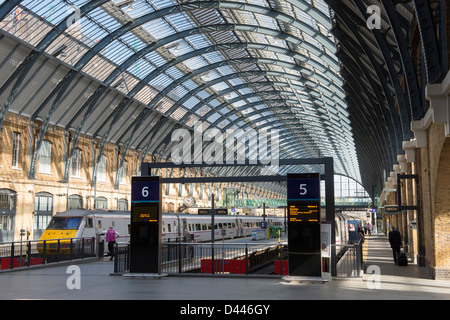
396,242
111,236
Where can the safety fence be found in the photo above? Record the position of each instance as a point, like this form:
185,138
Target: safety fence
349,260
177,257
223,258
237,258
35,252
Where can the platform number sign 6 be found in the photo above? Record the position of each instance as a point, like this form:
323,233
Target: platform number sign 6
145,192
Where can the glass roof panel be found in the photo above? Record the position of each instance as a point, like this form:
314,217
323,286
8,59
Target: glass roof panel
304,69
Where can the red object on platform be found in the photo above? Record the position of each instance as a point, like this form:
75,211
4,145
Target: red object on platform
285,267
223,265
6,262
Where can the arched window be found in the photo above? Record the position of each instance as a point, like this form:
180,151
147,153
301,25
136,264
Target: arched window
7,214
75,202
43,210
101,203
122,204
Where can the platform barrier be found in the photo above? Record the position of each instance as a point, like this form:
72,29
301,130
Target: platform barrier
238,258
350,263
20,254
234,266
220,258
285,264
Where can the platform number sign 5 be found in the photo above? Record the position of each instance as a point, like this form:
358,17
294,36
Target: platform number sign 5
303,189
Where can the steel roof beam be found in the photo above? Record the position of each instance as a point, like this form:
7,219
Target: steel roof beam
433,62
404,115
392,114
209,4
381,114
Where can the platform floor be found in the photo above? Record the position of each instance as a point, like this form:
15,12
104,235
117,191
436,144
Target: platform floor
411,282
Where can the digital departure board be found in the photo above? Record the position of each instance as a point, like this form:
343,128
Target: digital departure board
144,214
146,224
303,203
300,212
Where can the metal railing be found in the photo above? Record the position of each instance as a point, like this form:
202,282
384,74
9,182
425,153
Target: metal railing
33,252
177,257
350,263
237,258
223,258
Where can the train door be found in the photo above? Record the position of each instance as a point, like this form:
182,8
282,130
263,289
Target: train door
239,228
89,230
353,231
185,233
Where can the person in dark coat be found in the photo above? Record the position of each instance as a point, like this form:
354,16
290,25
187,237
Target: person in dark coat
396,242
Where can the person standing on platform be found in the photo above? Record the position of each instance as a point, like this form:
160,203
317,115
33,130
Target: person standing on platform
396,242
111,236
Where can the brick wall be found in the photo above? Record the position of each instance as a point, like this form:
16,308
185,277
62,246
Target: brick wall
442,215
16,178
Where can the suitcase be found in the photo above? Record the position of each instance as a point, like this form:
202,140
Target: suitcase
402,260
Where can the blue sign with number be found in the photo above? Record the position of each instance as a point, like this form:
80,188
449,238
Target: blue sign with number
144,190
303,189
304,237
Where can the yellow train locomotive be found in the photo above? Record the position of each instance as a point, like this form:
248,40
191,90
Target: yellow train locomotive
74,232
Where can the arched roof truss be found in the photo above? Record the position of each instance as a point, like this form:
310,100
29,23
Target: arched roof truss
303,67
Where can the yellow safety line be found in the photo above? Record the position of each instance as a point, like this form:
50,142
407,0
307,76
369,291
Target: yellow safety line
365,248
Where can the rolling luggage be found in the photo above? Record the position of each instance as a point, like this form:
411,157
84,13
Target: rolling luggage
402,260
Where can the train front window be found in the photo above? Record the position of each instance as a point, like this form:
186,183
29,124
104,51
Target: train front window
64,223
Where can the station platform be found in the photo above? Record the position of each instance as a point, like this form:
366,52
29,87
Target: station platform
96,283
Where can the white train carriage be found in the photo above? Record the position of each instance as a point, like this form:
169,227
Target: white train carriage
198,227
80,223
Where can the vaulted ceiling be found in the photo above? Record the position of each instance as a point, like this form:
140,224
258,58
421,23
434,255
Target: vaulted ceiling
131,72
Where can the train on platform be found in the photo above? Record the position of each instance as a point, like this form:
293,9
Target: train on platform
70,226
345,225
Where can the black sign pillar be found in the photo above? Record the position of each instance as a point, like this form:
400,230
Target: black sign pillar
304,236
146,221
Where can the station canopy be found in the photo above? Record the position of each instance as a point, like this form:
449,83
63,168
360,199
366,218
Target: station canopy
154,66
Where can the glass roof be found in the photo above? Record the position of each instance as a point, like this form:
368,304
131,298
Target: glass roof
231,64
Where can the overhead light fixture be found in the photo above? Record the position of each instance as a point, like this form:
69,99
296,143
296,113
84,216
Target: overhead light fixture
61,50
173,46
126,3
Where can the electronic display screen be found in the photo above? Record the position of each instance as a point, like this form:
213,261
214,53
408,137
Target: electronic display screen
145,213
304,212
